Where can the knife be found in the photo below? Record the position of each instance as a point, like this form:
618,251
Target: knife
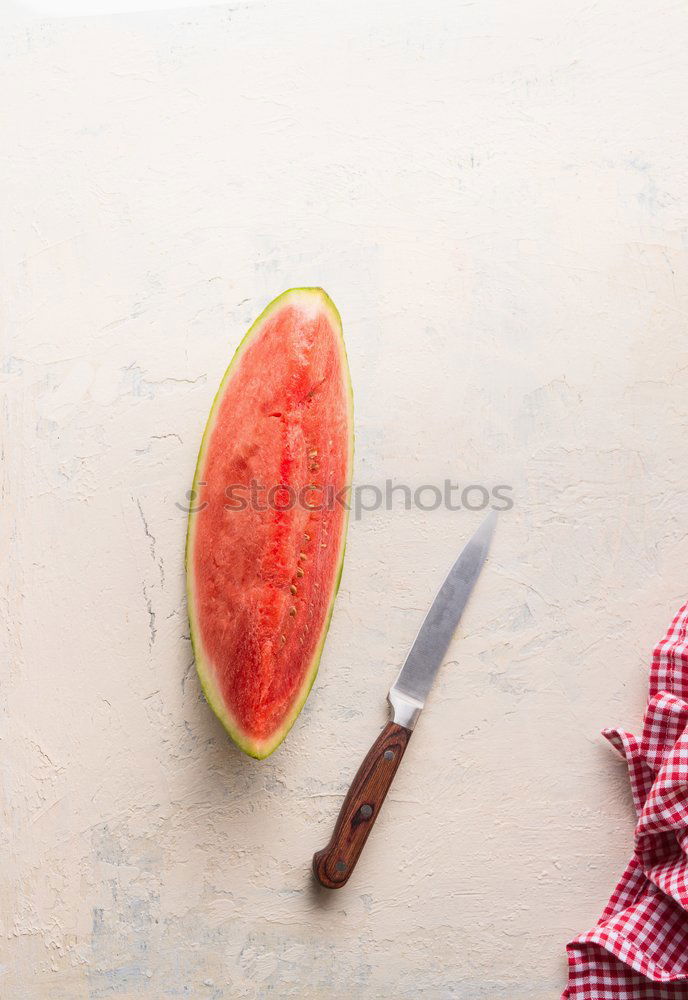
333,865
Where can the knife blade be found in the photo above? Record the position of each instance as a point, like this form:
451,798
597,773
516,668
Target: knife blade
333,865
408,693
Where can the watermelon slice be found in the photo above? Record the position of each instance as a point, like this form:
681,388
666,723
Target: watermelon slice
266,535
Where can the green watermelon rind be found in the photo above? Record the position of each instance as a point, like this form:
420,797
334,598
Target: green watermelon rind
203,668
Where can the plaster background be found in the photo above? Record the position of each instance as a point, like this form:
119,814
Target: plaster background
495,196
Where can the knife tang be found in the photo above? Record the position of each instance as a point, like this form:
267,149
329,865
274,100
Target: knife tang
334,864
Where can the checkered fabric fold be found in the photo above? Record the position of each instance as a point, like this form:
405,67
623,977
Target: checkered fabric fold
638,949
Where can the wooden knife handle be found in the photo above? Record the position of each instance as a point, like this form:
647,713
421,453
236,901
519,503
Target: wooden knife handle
334,864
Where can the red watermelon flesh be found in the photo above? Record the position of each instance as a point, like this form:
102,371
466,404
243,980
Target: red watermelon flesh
266,537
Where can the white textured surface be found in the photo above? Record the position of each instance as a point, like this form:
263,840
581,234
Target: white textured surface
495,196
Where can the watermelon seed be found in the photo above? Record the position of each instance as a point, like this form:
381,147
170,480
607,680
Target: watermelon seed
312,454
293,589
299,572
302,555
283,639
292,611
306,536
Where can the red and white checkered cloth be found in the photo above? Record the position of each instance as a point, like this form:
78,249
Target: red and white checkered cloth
639,948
